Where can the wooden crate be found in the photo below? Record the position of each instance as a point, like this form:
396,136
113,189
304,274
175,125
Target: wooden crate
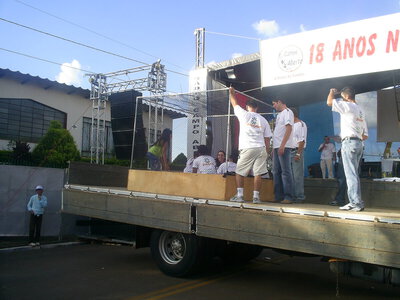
205,186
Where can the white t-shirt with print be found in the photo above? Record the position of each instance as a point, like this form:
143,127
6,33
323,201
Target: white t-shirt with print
300,133
253,129
352,119
189,166
327,151
285,117
205,164
223,167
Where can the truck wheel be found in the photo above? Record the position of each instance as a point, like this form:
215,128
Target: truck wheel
176,254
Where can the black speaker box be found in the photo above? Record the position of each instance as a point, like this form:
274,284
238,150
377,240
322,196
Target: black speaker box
123,106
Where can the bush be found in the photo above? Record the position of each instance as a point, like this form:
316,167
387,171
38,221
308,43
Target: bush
5,155
56,147
20,151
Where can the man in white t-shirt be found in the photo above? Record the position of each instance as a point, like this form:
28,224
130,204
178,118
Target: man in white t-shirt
254,142
283,144
204,164
328,156
300,139
353,131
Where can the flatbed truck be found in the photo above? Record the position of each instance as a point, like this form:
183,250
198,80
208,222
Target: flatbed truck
183,232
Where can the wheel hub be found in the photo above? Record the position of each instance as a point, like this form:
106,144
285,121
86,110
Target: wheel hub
172,247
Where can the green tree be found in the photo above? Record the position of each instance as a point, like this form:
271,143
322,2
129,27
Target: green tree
180,159
179,162
56,148
20,150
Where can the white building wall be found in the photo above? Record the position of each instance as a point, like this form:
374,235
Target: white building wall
75,106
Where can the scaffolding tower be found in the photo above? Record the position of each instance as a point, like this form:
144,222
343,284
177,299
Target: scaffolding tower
200,46
103,85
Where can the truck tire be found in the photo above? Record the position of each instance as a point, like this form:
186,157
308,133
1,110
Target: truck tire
176,254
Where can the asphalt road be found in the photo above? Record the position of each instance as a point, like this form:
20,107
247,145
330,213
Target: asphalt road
95,271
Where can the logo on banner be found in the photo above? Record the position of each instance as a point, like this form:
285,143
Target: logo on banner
290,58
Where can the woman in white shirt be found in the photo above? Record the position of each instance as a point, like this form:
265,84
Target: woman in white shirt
204,164
227,167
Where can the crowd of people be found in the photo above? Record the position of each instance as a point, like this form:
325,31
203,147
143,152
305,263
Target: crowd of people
289,141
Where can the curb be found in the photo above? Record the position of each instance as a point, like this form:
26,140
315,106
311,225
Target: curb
45,246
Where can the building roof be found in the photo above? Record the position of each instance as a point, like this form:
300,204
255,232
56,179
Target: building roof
44,83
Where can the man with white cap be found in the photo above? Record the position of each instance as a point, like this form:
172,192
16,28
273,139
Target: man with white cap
36,206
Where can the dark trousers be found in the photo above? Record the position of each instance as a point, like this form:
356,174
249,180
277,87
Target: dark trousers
35,225
342,186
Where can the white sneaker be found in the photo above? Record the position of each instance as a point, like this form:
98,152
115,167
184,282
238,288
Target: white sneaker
256,200
32,244
357,208
348,206
37,244
236,198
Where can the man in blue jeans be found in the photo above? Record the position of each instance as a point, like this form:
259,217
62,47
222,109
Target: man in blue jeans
300,138
353,130
283,143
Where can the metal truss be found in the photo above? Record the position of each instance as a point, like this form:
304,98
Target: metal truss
103,85
200,47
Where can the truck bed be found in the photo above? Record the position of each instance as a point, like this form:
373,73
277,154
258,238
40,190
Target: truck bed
371,236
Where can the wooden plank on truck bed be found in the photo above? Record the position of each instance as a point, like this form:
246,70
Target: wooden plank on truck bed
205,186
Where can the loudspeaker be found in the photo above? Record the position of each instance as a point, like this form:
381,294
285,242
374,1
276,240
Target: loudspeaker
123,106
315,170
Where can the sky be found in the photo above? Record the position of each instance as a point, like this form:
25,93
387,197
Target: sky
145,31
149,30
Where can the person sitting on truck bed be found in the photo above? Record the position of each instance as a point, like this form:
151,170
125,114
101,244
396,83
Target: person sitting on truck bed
220,159
157,154
254,143
204,164
189,163
228,166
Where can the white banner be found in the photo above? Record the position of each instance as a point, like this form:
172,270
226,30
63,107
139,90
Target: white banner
366,46
196,133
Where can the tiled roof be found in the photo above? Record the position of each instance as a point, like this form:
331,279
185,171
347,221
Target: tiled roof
44,83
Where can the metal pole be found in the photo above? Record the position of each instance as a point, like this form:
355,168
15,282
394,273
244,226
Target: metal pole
97,130
228,133
134,133
156,118
92,132
103,136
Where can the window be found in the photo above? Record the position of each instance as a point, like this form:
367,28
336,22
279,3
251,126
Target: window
86,131
26,120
